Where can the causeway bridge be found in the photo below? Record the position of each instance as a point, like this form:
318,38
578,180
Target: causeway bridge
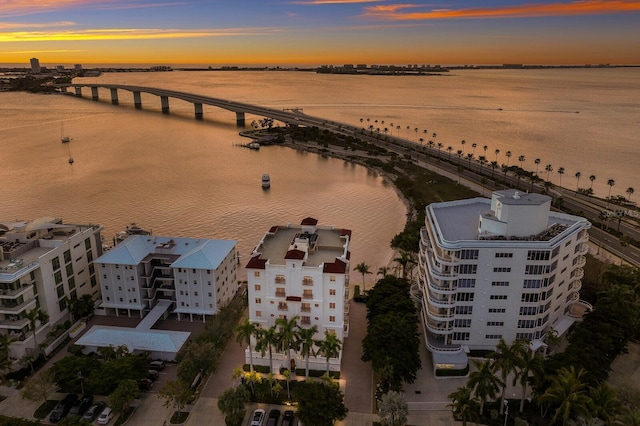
289,116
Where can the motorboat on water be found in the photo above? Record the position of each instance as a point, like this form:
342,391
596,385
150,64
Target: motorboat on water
130,230
266,181
63,138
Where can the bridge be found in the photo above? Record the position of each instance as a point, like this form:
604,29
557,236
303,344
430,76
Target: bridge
292,116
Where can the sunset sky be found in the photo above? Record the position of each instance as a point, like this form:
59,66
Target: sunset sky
315,32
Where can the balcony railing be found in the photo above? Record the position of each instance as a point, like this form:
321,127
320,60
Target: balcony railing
441,303
578,274
436,344
438,314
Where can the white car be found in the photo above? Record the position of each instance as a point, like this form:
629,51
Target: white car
105,416
258,417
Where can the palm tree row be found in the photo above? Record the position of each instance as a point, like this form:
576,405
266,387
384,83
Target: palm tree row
287,335
483,159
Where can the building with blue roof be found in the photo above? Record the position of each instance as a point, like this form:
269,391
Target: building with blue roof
198,276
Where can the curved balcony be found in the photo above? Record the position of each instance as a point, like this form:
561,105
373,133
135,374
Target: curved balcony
581,262
439,314
579,308
585,249
579,273
438,344
441,303
438,327
576,285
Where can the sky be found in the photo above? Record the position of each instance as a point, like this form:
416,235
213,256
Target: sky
317,32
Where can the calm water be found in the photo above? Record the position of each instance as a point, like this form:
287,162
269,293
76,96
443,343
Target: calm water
186,178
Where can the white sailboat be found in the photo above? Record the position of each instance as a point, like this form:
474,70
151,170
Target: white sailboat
63,138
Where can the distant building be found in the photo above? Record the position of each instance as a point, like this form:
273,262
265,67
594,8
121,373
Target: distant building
59,67
35,66
77,67
301,271
44,264
197,276
507,267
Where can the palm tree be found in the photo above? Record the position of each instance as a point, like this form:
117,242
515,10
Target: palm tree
307,344
497,151
521,159
577,175
449,148
484,382
244,333
288,336
416,130
567,394
398,131
592,178
482,159
463,142
267,340
393,409
459,153
474,145
629,192
383,270
361,120
33,316
549,169
363,268
484,148
5,343
531,364
560,172
506,359
404,260
408,128
329,347
470,157
494,166
463,405
605,404
508,154
610,182
537,163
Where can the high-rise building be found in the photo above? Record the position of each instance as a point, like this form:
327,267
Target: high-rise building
301,271
44,264
35,65
198,276
507,267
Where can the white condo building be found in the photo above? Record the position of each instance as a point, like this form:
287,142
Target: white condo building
44,264
301,271
507,267
196,276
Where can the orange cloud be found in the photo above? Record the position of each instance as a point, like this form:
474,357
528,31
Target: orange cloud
404,12
317,2
30,7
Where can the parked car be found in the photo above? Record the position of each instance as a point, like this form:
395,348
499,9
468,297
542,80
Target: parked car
153,375
258,417
156,365
80,406
287,418
94,411
62,408
105,416
274,415
145,384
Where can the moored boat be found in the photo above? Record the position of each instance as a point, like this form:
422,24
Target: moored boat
266,181
130,230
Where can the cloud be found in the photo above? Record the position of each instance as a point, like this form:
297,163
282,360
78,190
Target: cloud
127,34
408,11
22,25
321,2
32,7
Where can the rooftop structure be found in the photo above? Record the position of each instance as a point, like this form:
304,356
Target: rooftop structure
507,267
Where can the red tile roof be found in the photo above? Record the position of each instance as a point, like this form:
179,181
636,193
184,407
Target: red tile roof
346,232
273,229
337,267
256,263
295,254
309,221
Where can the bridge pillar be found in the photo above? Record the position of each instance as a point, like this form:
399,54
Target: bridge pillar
94,93
164,101
198,110
78,91
114,96
137,100
240,119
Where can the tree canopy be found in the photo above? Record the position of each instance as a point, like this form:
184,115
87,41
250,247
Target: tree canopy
320,403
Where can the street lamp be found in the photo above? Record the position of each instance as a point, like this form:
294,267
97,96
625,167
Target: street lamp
506,411
81,382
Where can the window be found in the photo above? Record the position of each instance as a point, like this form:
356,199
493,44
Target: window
501,269
498,297
55,263
58,277
530,297
307,281
497,310
524,336
526,323
257,287
210,294
461,335
256,274
555,251
195,293
462,323
528,310
495,323
493,336
305,307
258,314
532,283
503,255
332,292
280,279
307,294
538,255
500,283
332,318
464,310
280,292
464,297
72,283
469,254
282,306
87,243
467,269
67,256
305,320
62,304
332,305
332,278
467,283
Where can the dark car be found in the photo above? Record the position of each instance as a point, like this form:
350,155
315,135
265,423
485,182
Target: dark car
80,406
62,408
287,418
156,365
274,415
153,375
94,411
145,384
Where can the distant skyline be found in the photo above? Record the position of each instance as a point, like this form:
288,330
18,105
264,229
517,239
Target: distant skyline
316,32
